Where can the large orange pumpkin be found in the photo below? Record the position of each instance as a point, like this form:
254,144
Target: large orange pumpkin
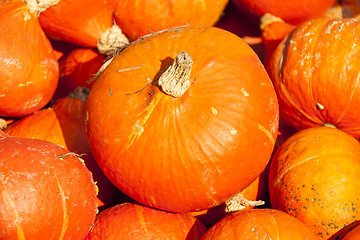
63,123
29,69
314,176
132,221
46,192
315,71
256,224
142,17
189,152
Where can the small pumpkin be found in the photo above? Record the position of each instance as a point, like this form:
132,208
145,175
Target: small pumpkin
181,149
255,224
29,70
129,221
142,17
315,74
292,12
46,192
63,123
314,177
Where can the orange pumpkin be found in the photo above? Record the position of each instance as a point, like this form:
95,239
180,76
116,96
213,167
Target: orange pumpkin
131,221
315,74
46,191
256,224
292,12
77,69
63,123
139,18
193,151
314,176
87,23
29,70
353,235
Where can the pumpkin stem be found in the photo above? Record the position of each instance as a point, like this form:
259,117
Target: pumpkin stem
267,19
330,125
112,41
80,93
175,81
3,124
38,6
239,202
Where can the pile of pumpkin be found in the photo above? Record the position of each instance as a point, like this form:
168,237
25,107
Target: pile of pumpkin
179,119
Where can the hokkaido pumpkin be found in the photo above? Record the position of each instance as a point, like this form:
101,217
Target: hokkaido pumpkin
315,73
292,12
29,70
142,17
256,224
46,192
181,149
77,69
314,176
88,23
132,221
63,123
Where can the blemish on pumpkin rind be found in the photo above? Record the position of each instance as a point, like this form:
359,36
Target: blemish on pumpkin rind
64,206
246,94
267,132
214,111
139,211
19,230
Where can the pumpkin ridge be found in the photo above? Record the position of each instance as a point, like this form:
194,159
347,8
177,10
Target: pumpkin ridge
19,229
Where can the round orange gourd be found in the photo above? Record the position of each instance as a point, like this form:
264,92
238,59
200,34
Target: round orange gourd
189,152
292,12
139,18
77,69
253,224
46,192
316,74
29,69
131,221
314,176
63,123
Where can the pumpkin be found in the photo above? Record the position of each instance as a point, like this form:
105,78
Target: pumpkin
315,74
63,123
139,18
185,152
255,224
353,235
292,12
77,69
29,69
87,23
314,176
46,191
131,221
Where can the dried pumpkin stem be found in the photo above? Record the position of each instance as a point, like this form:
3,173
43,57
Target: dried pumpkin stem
239,202
38,6
112,41
81,93
175,81
3,124
267,19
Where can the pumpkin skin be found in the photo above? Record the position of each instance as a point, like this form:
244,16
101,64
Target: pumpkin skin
353,235
255,224
292,12
131,221
192,152
46,192
314,177
80,22
63,124
139,18
313,84
29,69
76,70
